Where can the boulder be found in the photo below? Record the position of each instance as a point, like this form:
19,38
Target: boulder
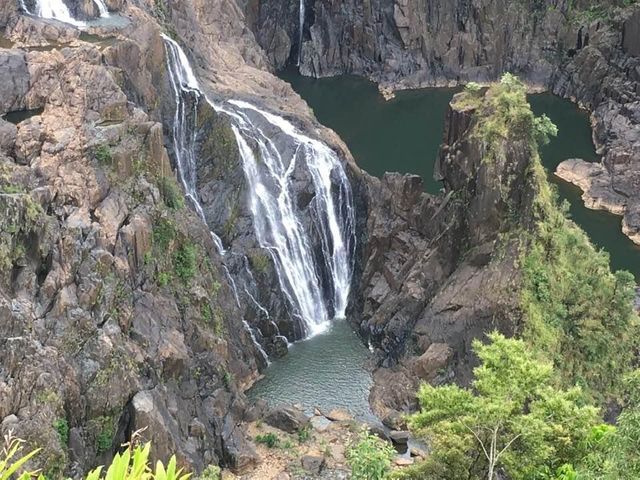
8,133
400,437
339,415
14,80
313,463
287,419
434,359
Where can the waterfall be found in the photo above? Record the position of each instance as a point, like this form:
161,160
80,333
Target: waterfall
301,28
317,290
55,10
185,86
277,222
102,8
24,8
58,10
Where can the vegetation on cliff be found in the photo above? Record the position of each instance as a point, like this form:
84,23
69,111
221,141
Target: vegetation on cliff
531,410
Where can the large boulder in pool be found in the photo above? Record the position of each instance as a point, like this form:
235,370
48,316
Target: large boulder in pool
287,419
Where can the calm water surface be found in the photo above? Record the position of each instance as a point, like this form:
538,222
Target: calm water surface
327,371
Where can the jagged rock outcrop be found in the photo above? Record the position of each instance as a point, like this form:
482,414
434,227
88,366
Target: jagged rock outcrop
441,271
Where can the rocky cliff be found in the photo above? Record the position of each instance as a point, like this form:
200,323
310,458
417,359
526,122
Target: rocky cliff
440,271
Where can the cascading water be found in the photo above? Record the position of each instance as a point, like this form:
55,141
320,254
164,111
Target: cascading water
301,30
58,10
102,8
55,10
185,86
278,223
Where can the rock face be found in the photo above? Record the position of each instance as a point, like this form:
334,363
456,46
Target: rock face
116,313
436,272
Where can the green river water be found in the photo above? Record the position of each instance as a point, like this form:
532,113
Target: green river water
404,135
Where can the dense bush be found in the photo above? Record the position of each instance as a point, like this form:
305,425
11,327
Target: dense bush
171,193
184,261
515,419
370,458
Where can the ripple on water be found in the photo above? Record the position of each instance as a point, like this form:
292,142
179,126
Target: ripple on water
327,371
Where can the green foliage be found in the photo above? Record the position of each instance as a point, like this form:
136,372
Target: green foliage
164,233
260,262
12,460
270,439
171,193
133,464
304,434
102,154
205,312
613,451
515,418
184,262
370,457
163,279
575,310
506,116
62,427
212,472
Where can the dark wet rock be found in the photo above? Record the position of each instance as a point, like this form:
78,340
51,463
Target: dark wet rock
399,437
279,346
287,419
14,81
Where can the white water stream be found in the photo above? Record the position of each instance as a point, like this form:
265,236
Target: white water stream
279,225
301,30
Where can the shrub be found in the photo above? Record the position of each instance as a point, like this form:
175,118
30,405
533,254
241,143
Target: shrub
370,458
270,439
11,460
212,472
184,262
103,154
304,434
171,194
260,262
164,278
164,232
62,427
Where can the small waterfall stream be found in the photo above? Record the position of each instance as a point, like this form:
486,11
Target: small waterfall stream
317,289
185,85
301,30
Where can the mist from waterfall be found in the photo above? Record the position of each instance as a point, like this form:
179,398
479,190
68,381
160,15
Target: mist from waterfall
316,288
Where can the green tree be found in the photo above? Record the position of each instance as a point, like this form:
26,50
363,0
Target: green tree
513,419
